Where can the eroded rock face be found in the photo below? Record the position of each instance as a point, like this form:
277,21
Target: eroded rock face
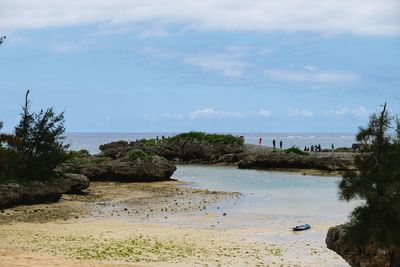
361,256
183,150
78,182
34,192
321,161
245,156
122,169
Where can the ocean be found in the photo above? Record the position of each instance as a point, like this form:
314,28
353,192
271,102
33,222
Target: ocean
92,141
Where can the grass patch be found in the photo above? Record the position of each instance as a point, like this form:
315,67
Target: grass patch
138,154
296,150
211,138
134,250
75,155
148,142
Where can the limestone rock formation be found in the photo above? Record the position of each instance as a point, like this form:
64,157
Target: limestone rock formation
97,168
33,192
369,255
278,159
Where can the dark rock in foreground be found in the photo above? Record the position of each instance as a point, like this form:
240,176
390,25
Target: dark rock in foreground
97,168
34,192
361,256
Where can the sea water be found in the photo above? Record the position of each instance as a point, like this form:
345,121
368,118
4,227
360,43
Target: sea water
279,199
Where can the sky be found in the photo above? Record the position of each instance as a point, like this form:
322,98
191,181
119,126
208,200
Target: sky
210,65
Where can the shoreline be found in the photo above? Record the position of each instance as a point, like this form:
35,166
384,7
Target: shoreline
146,224
311,172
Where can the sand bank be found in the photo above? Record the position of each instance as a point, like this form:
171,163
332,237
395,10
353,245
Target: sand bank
125,224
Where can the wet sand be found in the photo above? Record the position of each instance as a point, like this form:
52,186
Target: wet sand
148,224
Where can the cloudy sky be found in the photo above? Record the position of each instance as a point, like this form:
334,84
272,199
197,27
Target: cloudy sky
211,65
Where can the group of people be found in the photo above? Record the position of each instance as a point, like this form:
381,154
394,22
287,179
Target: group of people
317,148
313,148
273,143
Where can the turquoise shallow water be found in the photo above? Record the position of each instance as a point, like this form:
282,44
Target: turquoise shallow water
277,199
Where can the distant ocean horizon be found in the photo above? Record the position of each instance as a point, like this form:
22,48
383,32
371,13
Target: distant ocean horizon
92,141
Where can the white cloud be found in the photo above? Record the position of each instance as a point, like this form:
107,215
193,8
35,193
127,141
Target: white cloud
157,53
299,113
262,113
65,47
175,116
309,74
226,64
212,113
360,112
364,17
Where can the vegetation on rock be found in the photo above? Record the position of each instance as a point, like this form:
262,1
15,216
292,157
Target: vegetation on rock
295,150
136,154
212,138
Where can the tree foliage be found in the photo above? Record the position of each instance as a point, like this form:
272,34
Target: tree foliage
211,138
377,182
36,146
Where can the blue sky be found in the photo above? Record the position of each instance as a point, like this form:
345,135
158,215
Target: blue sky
218,66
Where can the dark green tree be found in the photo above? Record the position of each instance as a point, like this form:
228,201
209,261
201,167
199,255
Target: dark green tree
376,181
36,148
7,156
40,145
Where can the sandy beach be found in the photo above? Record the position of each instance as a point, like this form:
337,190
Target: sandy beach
130,224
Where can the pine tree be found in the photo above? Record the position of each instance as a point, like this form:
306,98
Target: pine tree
376,181
40,145
36,148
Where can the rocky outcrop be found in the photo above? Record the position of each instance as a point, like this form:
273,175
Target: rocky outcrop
77,182
270,159
185,150
192,150
97,168
369,255
14,193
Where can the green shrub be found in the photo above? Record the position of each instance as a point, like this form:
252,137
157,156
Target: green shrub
136,154
75,155
295,150
148,142
211,138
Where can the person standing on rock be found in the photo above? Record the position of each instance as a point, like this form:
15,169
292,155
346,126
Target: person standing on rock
280,144
273,143
260,141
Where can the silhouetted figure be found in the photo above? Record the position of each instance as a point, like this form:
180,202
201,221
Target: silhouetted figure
157,138
305,148
333,146
319,147
260,141
280,144
273,143
312,148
